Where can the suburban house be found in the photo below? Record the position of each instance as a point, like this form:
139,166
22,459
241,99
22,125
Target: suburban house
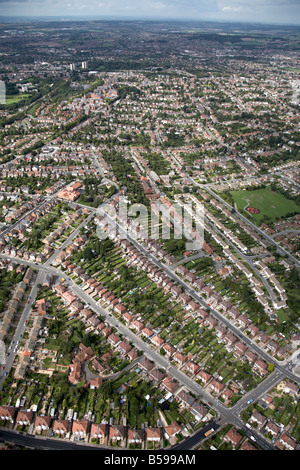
272,428
135,436
99,431
42,423
204,376
232,437
60,427
24,418
153,434
258,418
7,413
216,386
80,428
172,430
117,433
287,441
157,341
170,385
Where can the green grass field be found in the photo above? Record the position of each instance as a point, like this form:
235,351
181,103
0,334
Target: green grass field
271,204
15,98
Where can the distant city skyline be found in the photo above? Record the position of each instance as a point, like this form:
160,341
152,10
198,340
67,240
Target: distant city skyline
262,11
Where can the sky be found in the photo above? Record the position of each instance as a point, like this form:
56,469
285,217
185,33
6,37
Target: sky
262,11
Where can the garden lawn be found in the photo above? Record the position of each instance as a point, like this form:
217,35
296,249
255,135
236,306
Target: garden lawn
15,98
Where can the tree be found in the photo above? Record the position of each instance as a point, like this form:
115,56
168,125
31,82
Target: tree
106,389
134,406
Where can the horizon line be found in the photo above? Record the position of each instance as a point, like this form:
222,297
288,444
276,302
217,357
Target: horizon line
138,18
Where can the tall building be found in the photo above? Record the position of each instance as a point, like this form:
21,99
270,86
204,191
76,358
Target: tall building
72,66
84,65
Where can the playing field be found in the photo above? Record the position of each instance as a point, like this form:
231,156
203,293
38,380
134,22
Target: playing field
15,98
268,202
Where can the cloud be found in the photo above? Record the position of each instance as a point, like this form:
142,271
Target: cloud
276,11
231,8
238,10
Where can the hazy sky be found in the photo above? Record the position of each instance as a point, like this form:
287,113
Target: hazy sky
270,11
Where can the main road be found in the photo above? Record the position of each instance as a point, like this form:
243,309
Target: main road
226,414
170,273
43,443
12,349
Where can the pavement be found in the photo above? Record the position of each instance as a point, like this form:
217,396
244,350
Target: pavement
228,414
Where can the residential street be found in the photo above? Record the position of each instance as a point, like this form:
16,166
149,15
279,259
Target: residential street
226,414
149,226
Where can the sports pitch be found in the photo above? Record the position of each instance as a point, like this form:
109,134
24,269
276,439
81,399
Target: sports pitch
268,202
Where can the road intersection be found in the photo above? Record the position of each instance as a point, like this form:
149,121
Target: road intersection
231,415
225,415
